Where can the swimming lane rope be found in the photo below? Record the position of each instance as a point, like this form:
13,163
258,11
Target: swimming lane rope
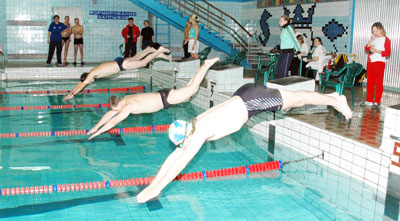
53,107
97,185
86,91
114,131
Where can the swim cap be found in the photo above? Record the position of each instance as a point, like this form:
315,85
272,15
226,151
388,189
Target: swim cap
84,76
178,130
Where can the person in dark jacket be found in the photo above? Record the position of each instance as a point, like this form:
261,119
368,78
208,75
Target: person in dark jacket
131,33
147,36
55,40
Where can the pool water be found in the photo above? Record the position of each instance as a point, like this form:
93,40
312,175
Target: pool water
288,194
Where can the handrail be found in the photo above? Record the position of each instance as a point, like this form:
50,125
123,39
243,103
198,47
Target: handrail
4,60
240,40
234,20
188,7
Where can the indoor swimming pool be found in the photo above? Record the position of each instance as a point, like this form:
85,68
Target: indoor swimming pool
305,190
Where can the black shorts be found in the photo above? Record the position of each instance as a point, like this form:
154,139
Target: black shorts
65,38
119,61
78,41
259,98
164,96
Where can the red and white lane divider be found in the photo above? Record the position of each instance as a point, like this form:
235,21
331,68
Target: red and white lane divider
97,185
86,91
126,130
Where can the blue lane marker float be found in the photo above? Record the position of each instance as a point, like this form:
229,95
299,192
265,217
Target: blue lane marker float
74,105
127,90
154,128
247,170
52,133
99,105
108,90
204,175
17,135
108,184
120,131
22,108
88,91
48,92
54,188
48,107
87,131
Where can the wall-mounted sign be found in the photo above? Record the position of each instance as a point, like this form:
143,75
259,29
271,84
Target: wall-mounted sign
113,15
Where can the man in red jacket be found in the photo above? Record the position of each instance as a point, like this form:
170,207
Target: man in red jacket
131,33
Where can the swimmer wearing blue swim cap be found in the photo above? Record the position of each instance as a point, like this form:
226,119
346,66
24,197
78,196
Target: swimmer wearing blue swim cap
179,130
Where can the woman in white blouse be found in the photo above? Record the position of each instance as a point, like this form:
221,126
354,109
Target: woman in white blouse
294,66
316,61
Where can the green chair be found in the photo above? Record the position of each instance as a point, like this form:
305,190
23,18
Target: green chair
204,53
237,58
347,75
270,72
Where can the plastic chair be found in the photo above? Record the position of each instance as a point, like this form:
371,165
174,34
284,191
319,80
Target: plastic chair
347,75
204,53
237,58
318,67
272,67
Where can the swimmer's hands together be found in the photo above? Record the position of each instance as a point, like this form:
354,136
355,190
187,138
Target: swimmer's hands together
68,97
94,135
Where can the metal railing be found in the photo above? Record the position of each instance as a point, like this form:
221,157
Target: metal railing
214,19
4,61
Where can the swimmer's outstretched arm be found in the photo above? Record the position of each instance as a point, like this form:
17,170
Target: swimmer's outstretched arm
172,166
102,121
76,90
124,113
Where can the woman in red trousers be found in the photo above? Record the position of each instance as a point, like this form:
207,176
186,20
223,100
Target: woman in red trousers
378,48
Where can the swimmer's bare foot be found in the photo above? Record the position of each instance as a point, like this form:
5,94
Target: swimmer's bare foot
163,56
162,49
341,105
147,194
210,62
149,49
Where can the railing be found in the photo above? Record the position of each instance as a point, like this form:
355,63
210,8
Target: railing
214,19
4,61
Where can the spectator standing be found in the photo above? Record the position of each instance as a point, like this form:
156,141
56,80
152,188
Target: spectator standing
378,48
188,26
193,45
146,36
66,34
131,33
55,40
289,45
78,30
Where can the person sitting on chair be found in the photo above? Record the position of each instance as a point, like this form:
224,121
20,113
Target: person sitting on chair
119,64
149,102
227,118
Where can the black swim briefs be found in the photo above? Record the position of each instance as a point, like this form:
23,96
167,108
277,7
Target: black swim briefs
78,41
259,98
119,61
164,96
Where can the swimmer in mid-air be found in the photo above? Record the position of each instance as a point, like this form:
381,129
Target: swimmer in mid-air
120,108
227,118
119,64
